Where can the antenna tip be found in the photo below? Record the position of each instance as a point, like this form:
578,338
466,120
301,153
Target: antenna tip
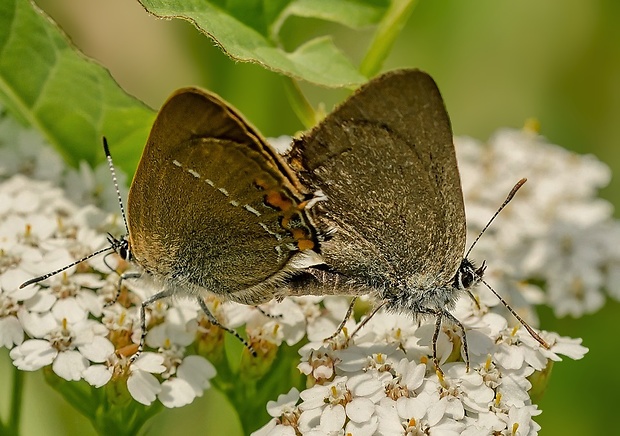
513,191
28,282
106,149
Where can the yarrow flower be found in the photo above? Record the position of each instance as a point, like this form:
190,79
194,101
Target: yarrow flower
556,231
381,381
374,387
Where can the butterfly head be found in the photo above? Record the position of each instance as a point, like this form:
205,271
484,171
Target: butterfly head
121,246
468,275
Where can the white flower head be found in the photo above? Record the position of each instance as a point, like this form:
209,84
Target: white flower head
562,243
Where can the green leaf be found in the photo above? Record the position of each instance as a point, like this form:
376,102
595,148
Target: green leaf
70,99
246,30
352,13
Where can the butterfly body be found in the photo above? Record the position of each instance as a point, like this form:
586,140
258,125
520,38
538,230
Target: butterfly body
212,208
386,164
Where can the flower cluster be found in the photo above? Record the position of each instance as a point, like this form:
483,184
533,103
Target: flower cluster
382,381
66,321
556,232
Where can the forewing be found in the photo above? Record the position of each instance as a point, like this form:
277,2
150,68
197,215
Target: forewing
386,162
211,204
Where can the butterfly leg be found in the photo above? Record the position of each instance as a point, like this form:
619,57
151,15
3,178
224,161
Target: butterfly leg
458,323
267,314
439,316
368,318
215,322
124,276
143,306
344,321
473,298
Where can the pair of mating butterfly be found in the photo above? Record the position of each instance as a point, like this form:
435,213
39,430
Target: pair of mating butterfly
369,202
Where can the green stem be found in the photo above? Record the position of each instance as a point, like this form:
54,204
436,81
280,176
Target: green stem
16,401
110,409
251,393
388,29
77,394
303,109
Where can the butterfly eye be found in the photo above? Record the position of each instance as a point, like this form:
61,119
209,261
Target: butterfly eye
123,250
467,279
467,275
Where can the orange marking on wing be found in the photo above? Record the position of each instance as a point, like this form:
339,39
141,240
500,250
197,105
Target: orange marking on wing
298,234
277,200
305,244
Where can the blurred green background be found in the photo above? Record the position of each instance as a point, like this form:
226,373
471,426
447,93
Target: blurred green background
497,63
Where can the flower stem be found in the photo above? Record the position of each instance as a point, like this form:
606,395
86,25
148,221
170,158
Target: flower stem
388,29
16,402
302,107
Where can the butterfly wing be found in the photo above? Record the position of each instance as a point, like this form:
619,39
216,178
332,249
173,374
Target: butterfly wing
211,206
385,160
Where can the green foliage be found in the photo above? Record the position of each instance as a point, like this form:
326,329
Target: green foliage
71,100
247,30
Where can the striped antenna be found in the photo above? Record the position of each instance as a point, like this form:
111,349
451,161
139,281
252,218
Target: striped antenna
53,273
524,323
511,194
115,244
108,156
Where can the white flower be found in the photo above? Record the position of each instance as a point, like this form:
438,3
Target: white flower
178,328
27,153
284,405
324,315
11,330
192,378
40,231
317,362
566,238
65,334
570,347
141,383
33,354
375,384
408,377
289,315
285,415
519,421
322,410
92,186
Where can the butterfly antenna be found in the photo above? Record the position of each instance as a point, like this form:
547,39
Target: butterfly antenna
53,273
115,181
511,194
529,329
114,243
